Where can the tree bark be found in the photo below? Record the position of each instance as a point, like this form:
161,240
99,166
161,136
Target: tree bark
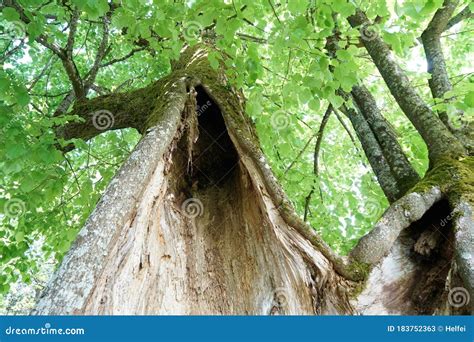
195,223
438,138
379,143
374,154
439,82
401,169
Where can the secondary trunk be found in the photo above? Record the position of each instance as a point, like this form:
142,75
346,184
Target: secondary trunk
195,223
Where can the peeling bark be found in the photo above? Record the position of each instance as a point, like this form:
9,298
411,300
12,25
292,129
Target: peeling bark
83,263
206,228
232,253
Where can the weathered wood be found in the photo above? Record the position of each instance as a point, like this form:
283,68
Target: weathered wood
206,229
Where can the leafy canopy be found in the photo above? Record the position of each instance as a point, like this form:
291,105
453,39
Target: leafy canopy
277,55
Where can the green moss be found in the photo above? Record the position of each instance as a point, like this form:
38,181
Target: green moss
454,177
360,270
357,289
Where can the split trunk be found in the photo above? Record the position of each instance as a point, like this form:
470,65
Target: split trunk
195,223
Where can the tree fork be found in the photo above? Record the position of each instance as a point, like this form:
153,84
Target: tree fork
244,251
403,172
438,138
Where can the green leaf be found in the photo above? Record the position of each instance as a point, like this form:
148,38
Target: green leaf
213,60
15,150
469,99
297,7
314,104
19,237
10,14
34,29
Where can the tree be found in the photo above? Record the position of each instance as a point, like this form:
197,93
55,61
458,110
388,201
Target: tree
194,221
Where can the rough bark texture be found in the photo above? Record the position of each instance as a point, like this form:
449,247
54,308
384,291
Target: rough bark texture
439,139
379,143
374,154
114,111
196,223
84,262
165,239
439,82
401,169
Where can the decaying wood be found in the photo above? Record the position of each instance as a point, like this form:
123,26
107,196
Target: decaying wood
221,237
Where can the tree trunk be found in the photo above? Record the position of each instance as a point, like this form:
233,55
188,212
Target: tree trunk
195,223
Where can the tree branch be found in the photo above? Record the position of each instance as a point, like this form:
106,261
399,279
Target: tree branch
374,154
361,118
400,167
439,139
64,54
42,39
123,58
101,51
72,33
464,14
108,112
319,140
317,148
439,81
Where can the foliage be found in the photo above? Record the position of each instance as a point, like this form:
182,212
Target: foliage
276,54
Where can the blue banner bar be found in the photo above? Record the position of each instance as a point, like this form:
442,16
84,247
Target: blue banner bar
237,328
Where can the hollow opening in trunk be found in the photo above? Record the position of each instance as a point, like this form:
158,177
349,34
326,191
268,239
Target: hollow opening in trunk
433,251
214,156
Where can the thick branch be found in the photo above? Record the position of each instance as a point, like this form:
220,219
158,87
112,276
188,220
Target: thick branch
400,167
366,134
372,247
439,82
464,14
374,154
109,112
439,139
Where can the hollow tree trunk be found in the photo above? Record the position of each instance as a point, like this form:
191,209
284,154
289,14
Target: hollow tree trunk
195,223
